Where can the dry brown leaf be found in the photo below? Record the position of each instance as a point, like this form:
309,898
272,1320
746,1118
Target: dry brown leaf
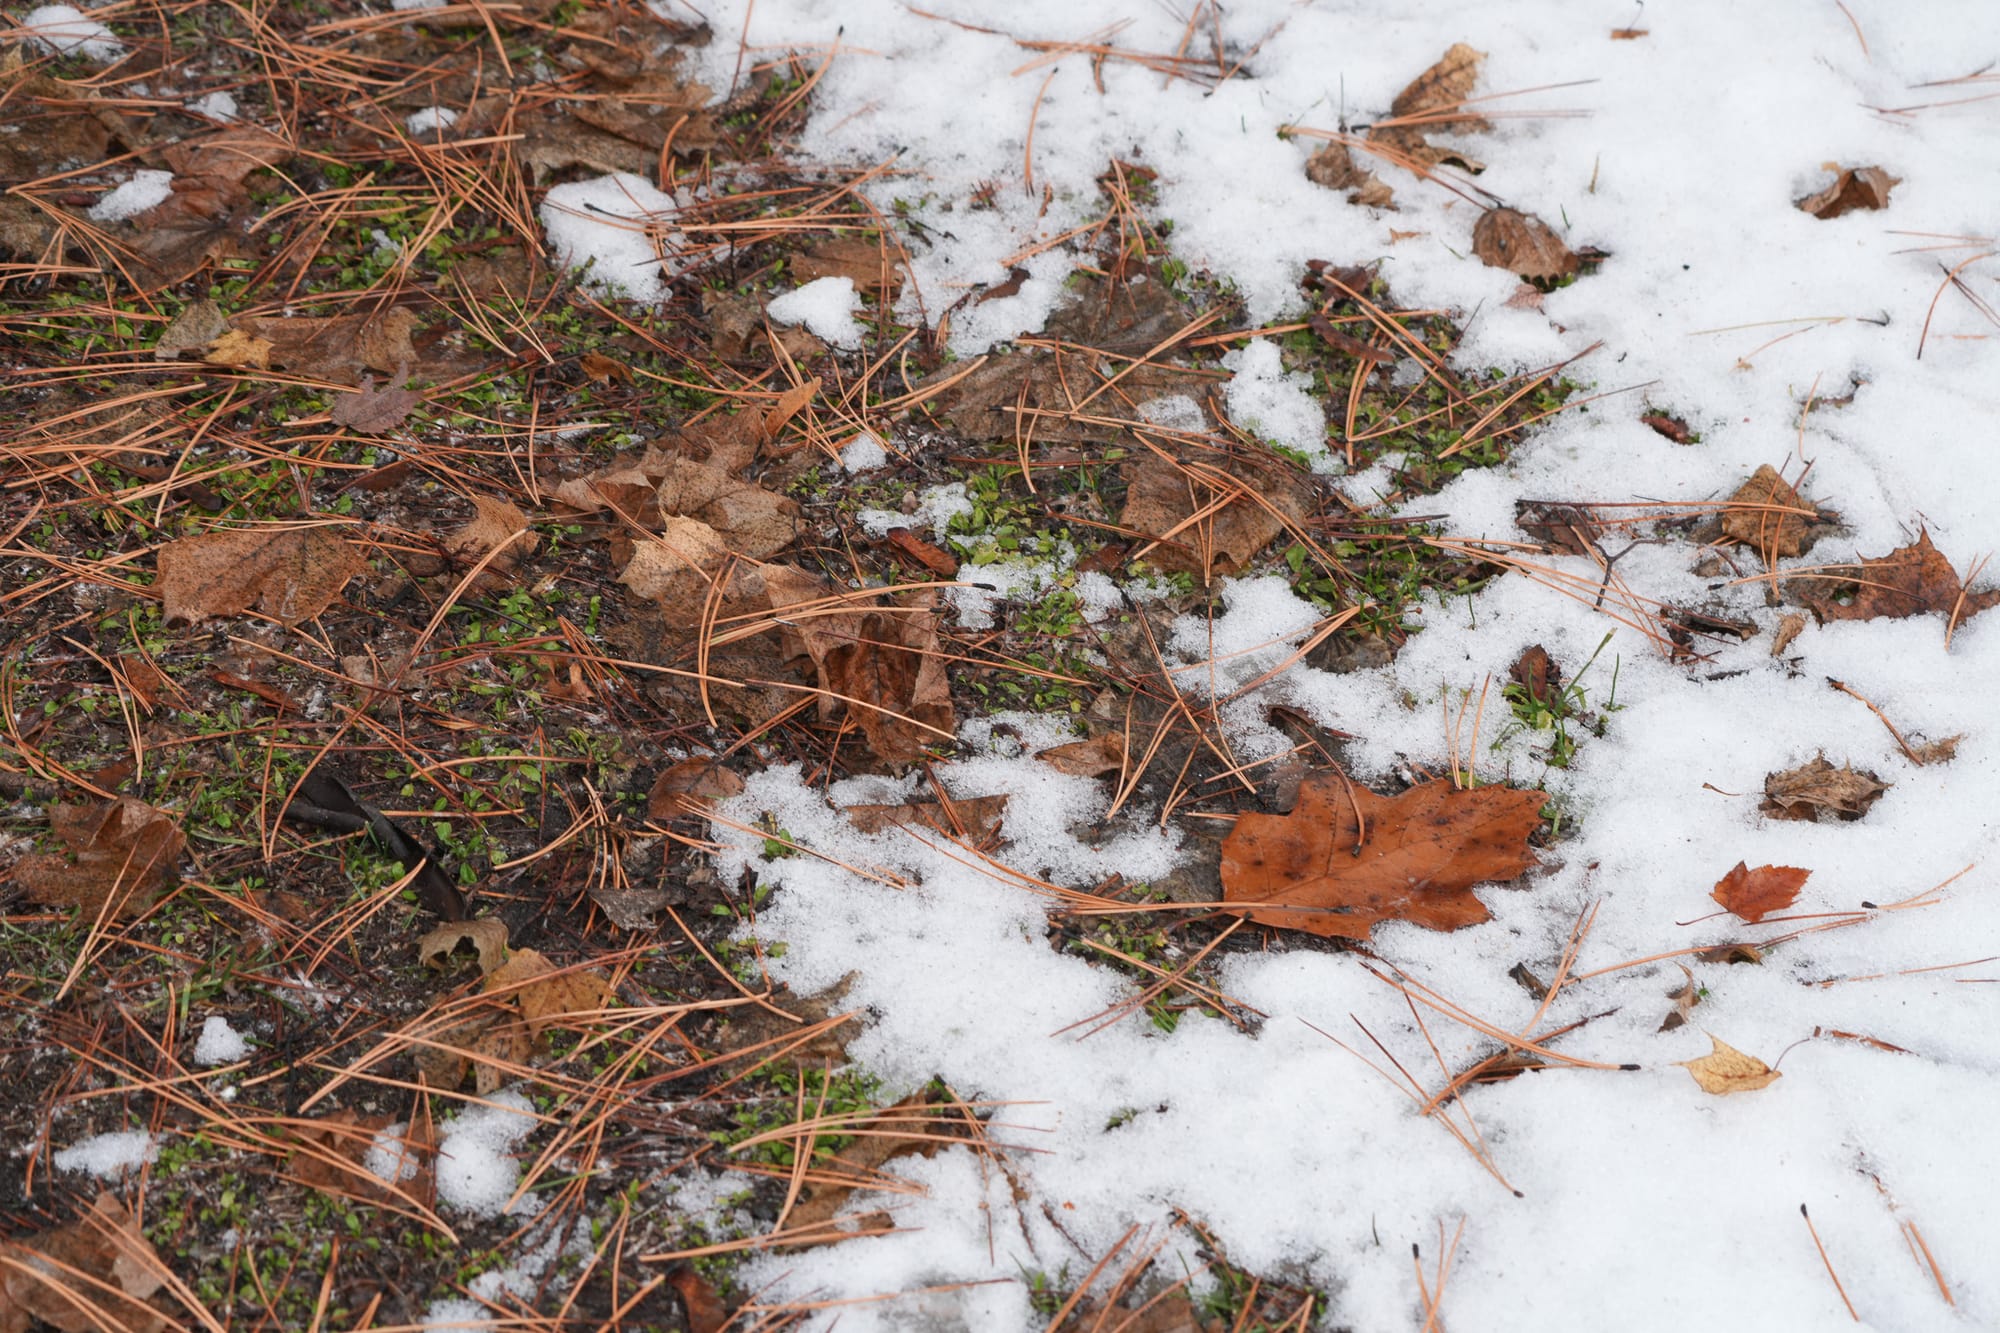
1726,1069
495,523
1333,167
1908,581
1668,427
120,1272
910,1128
199,323
704,1308
1536,672
1754,894
689,787
1260,496
873,267
487,936
1522,244
1853,188
1818,788
545,995
604,369
1685,997
1442,87
373,411
1790,626
1768,516
1628,34
334,1149
334,348
239,350
1088,759
891,671
672,568
290,574
975,819
499,1053
1415,857
122,852
936,559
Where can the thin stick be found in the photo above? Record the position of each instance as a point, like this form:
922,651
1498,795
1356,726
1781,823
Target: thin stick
1829,1265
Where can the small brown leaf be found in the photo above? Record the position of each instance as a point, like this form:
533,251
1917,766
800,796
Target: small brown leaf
937,560
1909,581
1790,626
121,853
1673,428
604,369
1685,998
1755,894
545,995
487,936
872,266
1628,34
1817,788
1853,188
975,819
1522,244
1768,516
1088,759
373,411
1333,167
689,787
96,1273
495,523
705,1311
199,324
290,574
239,350
1726,1069
1537,672
891,673
1212,515
1347,858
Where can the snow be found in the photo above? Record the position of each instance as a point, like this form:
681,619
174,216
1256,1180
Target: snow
430,119
863,453
613,227
218,105
390,1157
67,31
1639,1193
107,1156
475,1163
826,307
147,189
219,1043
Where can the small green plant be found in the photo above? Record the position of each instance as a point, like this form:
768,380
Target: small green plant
1554,710
776,1096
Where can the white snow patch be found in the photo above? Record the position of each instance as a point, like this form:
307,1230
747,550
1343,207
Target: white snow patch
147,189
430,119
863,453
1268,401
108,1155
826,307
218,105
67,31
219,1043
475,1162
617,227
390,1158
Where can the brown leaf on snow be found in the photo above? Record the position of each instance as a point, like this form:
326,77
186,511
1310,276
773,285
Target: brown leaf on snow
1726,1069
1088,759
973,819
1256,498
97,1273
1685,997
122,852
1333,167
1434,100
487,936
1768,516
1755,894
1522,244
1414,857
1818,788
370,410
1852,188
290,574
910,1128
1908,581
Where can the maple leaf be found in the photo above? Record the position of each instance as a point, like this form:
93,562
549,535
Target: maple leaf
122,852
1908,581
495,523
1413,857
290,574
1725,1070
1755,894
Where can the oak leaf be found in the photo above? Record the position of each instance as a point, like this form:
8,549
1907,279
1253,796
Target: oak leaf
1522,244
672,568
1413,857
1852,188
1908,581
1817,788
290,574
1755,894
1725,1070
121,853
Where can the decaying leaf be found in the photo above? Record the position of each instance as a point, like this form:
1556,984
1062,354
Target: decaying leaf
910,1128
335,348
673,567
290,574
120,853
689,787
1818,789
1333,167
530,995
1257,498
974,819
746,518
1768,516
200,323
1755,894
1413,857
1088,759
1909,581
495,523
1685,997
1790,626
1433,100
1726,1069
240,350
604,369
370,410
487,936
1852,188
872,267
704,1308
545,995
336,1155
1537,672
1522,244
97,1273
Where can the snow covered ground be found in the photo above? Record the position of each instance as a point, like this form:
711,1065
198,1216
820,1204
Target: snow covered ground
1644,1202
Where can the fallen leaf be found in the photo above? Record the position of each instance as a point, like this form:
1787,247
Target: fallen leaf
1908,581
672,568
239,350
97,1273
333,348
1755,894
120,853
1536,672
1442,87
290,574
1818,788
604,369
705,1311
1790,626
1245,502
1433,100
1685,997
1768,516
1726,1069
1732,953
373,411
937,560
689,787
487,936
1415,857
910,1128
333,1151
872,267
891,672
1333,167
199,323
975,819
494,524
1522,244
545,995
1093,758
1673,428
1628,34
1853,188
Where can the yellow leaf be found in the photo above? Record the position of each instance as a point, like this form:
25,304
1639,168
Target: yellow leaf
245,351
1726,1069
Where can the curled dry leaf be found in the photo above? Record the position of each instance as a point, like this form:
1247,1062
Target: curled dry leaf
1685,997
1768,516
1852,188
1333,168
1790,626
1755,894
1725,1070
1433,100
486,936
974,819
1522,244
1413,857
290,574
1909,581
1088,759
121,853
1818,788
97,1273
545,995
